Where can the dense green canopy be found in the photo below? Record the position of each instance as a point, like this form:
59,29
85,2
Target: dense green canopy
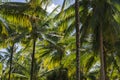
39,45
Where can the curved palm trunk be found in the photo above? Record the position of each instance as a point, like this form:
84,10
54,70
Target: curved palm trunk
102,56
11,57
77,40
33,60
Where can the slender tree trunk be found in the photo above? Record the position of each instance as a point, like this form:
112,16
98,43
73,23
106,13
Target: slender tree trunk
77,40
105,64
11,57
33,60
102,57
63,5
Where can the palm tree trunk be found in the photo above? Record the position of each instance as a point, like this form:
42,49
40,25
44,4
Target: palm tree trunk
11,57
102,57
77,40
63,5
33,60
105,64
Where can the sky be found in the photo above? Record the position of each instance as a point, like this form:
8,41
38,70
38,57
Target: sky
56,2
50,8
18,0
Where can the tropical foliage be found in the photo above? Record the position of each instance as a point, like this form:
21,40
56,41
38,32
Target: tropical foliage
77,40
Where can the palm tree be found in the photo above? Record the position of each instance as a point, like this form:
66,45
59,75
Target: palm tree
4,29
102,22
12,39
11,59
52,40
68,24
77,40
33,53
8,55
93,13
29,19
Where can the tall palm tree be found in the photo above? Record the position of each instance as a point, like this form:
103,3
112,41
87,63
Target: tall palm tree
69,22
31,21
33,53
13,38
101,10
95,13
77,39
11,59
57,44
100,13
4,29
